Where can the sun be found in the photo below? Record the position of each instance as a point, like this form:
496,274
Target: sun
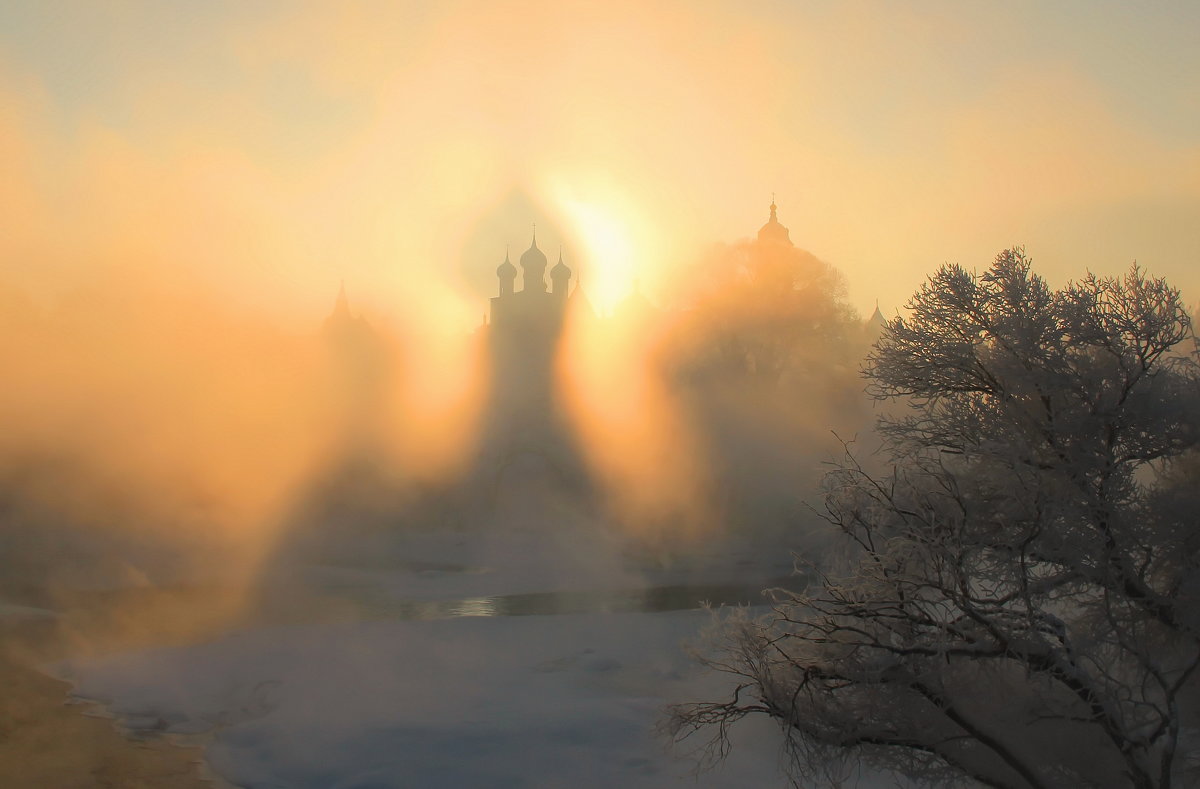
613,241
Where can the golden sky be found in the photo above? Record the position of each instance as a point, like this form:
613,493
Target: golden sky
270,149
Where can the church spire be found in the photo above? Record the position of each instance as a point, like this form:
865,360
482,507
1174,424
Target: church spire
341,308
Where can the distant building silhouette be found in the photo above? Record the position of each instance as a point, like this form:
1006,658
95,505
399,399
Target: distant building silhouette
874,324
774,235
360,371
523,333
341,326
773,232
526,456
527,467
532,315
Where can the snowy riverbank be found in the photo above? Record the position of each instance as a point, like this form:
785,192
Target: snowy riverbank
537,701
498,663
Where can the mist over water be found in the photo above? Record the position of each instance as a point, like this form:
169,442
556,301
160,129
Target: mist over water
178,470
465,351
146,416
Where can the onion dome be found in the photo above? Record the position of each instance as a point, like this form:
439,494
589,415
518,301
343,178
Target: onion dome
533,257
533,264
560,275
506,270
560,270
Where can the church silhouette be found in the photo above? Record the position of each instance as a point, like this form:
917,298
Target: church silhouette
525,453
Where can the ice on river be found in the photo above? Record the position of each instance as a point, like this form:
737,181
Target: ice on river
532,701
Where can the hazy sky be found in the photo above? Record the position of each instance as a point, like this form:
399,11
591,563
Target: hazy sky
272,148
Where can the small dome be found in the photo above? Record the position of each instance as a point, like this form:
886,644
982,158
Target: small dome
506,269
560,270
773,230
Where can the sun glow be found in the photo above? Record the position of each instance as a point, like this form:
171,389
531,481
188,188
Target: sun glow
616,243
181,206
632,428
443,391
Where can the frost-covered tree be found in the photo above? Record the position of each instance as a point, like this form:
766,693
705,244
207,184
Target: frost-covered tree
1020,608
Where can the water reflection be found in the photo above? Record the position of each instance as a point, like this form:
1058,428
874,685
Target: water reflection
475,606
369,604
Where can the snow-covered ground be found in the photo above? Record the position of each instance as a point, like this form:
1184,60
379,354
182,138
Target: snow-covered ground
474,700
537,701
